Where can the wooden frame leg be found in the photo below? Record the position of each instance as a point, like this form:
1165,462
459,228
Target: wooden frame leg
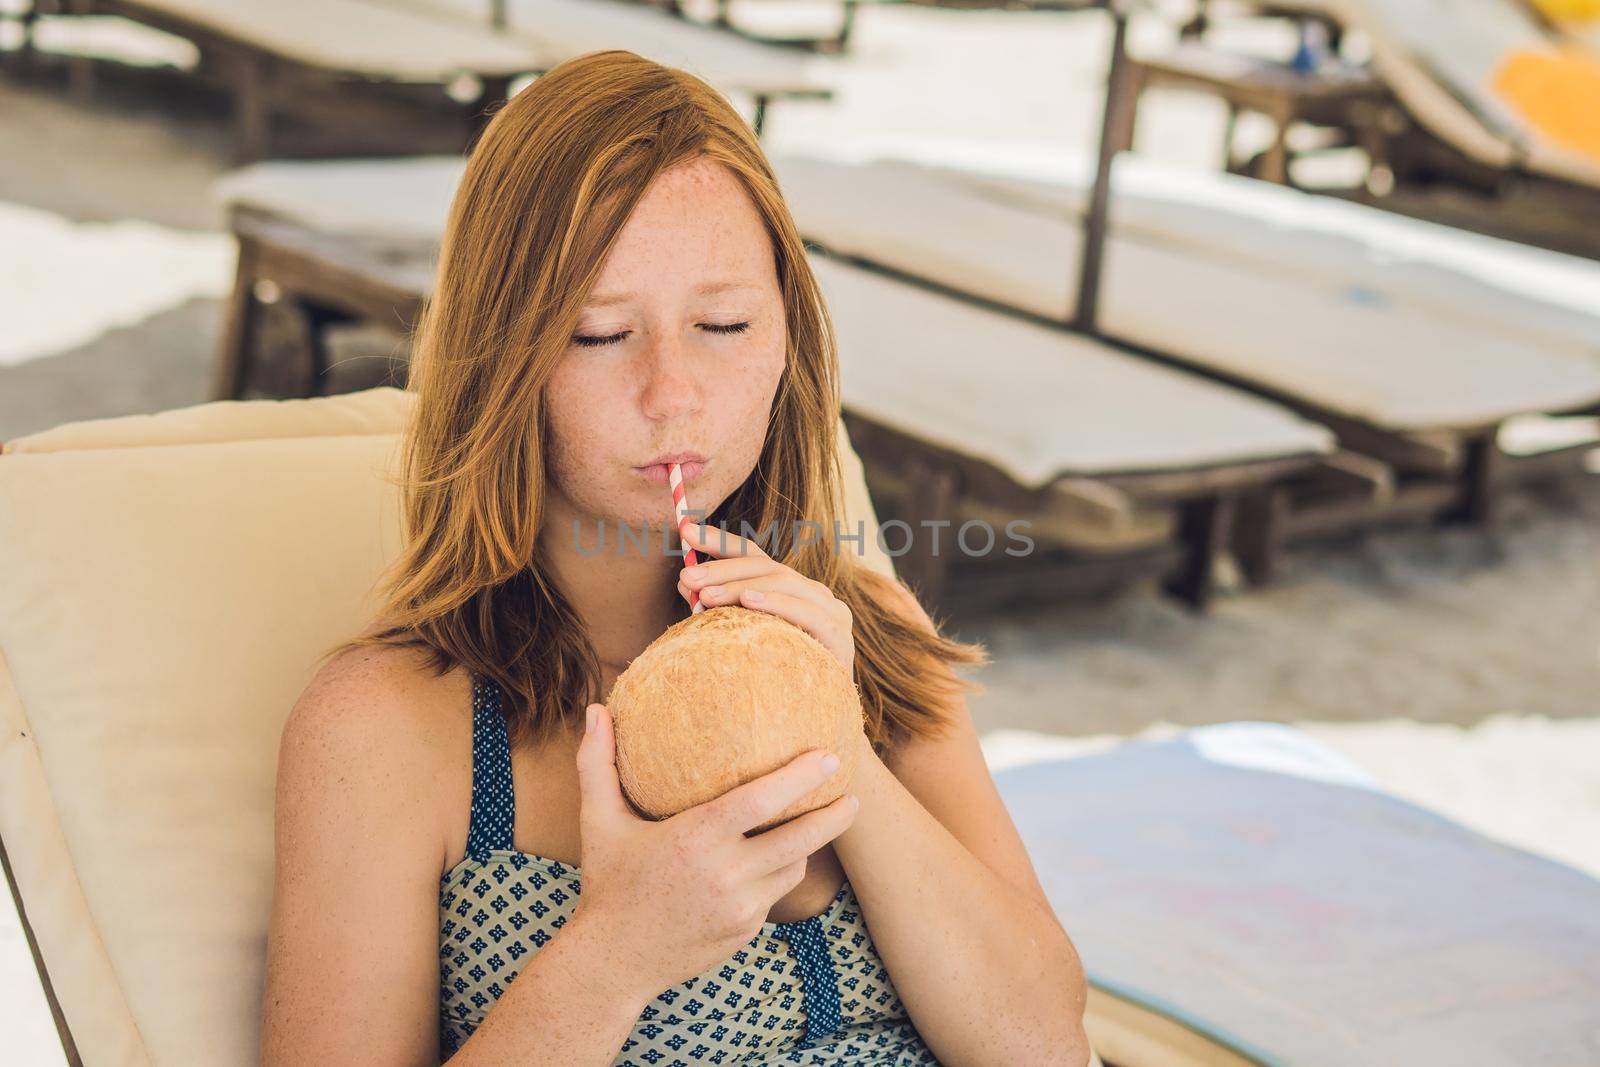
26,54
1126,119
1196,27
237,348
846,25
1229,130
310,321
1203,530
1259,532
252,109
80,69
296,353
760,121
1121,97
496,91
938,489
1476,506
1275,164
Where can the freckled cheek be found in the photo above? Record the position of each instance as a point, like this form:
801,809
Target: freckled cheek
742,405
581,437
747,390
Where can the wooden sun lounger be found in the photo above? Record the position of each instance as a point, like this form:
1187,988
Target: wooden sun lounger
1570,23
1121,467
348,69
1545,299
1125,469
571,27
1286,96
1450,144
345,66
1416,398
839,40
831,43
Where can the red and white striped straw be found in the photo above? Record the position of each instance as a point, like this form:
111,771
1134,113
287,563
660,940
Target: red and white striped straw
680,504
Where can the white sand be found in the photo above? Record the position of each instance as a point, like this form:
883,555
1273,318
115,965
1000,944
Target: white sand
129,266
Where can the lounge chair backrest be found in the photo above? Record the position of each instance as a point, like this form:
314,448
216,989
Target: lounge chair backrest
169,583
1448,61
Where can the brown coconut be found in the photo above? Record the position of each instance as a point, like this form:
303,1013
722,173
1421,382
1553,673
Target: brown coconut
723,697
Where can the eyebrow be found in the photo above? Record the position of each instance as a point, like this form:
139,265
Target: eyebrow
600,300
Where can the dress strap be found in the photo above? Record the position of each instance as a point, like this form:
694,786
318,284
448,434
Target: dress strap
819,979
493,802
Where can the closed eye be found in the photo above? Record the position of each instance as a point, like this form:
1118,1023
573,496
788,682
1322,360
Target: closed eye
611,339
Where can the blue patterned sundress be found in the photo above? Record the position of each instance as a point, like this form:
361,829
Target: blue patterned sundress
812,991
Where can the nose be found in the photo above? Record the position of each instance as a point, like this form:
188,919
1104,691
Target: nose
671,387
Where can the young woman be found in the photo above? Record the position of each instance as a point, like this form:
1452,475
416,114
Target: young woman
620,284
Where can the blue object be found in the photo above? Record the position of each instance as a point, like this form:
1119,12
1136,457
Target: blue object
1307,57
809,991
1305,60
1301,921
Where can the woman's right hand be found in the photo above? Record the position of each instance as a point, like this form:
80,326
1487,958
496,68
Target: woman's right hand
673,898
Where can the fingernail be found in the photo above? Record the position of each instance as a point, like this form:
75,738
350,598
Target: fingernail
695,572
588,714
830,763
855,802
753,595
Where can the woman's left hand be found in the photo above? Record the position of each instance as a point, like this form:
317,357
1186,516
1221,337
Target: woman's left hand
744,574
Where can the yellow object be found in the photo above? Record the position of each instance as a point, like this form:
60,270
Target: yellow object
1558,93
1569,10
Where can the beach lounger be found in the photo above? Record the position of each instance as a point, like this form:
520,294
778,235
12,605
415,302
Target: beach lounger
1416,396
1125,469
358,76
1239,895
567,28
1119,467
1455,64
309,59
1498,132
207,556
722,18
1574,20
1545,298
1328,97
839,40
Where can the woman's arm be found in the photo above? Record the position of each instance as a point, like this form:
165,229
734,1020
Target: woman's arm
566,1007
985,970
353,947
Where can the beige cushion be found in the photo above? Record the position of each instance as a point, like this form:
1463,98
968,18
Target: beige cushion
382,41
371,411
1351,350
170,581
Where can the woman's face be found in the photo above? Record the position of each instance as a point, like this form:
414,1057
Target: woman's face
679,350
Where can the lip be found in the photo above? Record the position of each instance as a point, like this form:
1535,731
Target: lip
676,457
658,473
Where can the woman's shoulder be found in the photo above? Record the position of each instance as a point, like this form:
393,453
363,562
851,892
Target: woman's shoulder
383,706
361,830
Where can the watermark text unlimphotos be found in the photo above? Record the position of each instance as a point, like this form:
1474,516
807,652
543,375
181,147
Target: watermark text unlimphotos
895,537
